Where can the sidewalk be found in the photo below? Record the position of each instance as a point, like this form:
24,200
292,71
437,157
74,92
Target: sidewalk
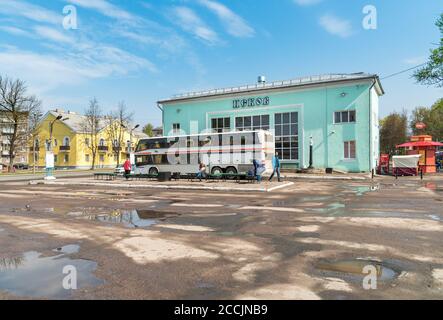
23,177
318,176
264,186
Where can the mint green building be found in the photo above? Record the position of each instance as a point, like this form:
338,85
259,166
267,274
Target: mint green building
337,114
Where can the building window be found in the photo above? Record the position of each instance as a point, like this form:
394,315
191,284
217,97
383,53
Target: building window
102,143
286,135
176,128
55,158
55,142
349,147
221,125
66,158
66,142
250,123
345,116
102,158
87,157
87,142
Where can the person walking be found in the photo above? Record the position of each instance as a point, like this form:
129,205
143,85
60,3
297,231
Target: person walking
258,170
127,166
201,171
276,165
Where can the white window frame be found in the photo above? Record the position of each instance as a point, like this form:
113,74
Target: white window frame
176,128
341,122
68,140
347,144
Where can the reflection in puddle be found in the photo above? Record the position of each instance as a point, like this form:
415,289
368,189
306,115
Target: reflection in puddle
353,269
435,217
69,249
333,208
362,190
127,218
34,276
10,263
132,218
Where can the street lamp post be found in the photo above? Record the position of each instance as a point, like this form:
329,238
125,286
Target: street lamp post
311,147
49,150
131,153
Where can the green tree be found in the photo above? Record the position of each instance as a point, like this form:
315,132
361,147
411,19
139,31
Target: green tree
148,130
420,115
432,118
432,73
393,131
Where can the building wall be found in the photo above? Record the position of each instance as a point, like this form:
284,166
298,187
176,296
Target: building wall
315,106
6,130
78,151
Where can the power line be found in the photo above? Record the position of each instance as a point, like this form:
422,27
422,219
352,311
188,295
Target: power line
397,73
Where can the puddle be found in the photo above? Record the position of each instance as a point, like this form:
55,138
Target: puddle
69,249
316,198
204,285
127,218
362,190
132,218
353,269
333,208
225,234
42,277
435,217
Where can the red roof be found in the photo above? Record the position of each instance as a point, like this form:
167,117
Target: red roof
420,144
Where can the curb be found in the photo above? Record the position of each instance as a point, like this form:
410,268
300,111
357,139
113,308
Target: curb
311,177
164,187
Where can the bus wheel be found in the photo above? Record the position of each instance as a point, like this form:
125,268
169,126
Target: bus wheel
231,170
153,171
217,170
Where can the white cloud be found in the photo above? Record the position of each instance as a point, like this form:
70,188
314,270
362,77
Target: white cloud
307,2
336,26
30,11
15,31
415,60
189,21
234,24
46,72
52,34
105,8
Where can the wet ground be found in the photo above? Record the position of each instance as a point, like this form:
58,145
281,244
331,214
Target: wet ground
310,240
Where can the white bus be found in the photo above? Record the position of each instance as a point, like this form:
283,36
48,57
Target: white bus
230,152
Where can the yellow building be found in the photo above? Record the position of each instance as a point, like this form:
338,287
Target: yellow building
72,146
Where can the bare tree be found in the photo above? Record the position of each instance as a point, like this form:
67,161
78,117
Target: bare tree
117,123
17,108
92,127
33,132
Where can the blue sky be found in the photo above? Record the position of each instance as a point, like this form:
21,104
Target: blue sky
141,51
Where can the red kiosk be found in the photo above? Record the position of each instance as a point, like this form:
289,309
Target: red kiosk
424,146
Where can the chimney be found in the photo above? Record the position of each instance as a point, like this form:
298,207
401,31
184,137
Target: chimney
261,80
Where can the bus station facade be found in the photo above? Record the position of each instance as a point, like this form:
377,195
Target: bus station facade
337,115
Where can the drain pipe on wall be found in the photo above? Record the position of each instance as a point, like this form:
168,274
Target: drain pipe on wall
371,169
163,117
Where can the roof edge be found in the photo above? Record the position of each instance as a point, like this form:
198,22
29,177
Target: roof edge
373,77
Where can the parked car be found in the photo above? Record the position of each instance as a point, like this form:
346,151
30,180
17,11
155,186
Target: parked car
21,166
121,171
